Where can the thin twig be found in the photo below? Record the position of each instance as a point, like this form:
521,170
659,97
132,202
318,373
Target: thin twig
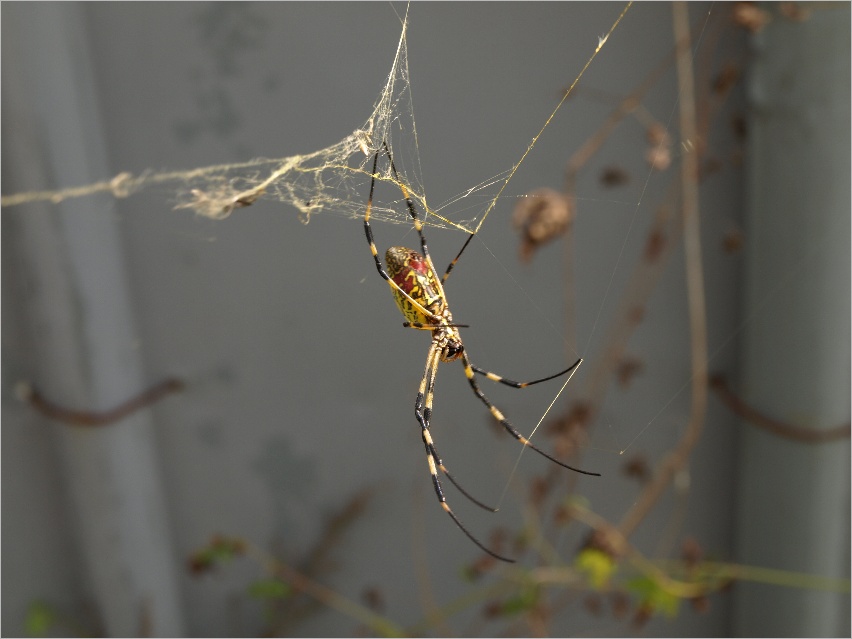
662,236
628,105
328,597
29,394
678,457
622,547
317,560
705,576
797,433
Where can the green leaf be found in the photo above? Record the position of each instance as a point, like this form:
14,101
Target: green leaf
39,620
596,565
577,501
653,596
219,551
526,598
269,589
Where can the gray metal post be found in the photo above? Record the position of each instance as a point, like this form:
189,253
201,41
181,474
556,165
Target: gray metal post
80,315
793,510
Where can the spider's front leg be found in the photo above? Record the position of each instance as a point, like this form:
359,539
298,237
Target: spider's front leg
415,305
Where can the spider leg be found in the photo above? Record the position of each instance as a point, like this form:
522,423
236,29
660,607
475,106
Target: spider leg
456,259
423,412
470,374
508,382
418,223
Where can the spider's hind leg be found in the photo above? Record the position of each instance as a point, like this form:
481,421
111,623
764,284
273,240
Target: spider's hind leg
470,371
494,377
423,411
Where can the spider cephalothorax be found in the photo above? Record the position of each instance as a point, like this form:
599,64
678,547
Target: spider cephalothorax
419,294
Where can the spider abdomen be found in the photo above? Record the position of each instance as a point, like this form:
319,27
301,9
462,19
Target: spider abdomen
412,273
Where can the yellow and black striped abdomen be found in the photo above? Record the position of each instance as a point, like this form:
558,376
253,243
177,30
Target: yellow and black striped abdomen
411,272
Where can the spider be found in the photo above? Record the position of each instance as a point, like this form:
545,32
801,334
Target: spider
419,294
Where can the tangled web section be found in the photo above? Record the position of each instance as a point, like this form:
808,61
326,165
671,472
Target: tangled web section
335,179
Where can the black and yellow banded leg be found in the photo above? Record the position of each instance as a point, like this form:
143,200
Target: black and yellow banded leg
423,412
418,223
508,382
456,259
471,378
427,433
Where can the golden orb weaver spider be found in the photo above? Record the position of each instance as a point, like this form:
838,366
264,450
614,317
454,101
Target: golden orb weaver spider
419,294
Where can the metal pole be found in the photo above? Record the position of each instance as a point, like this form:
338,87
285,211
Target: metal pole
80,316
793,497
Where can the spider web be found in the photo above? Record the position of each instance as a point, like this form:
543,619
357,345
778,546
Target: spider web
331,180
335,179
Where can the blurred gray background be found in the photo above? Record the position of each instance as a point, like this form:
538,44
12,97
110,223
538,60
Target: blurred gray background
301,380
